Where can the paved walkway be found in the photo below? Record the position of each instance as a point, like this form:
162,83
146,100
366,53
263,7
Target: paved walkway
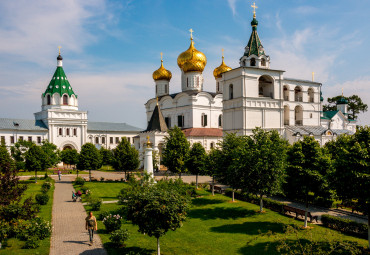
69,235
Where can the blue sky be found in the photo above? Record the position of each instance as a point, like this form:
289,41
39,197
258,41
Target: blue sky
110,48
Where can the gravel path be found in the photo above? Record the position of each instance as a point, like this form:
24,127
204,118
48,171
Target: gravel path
69,235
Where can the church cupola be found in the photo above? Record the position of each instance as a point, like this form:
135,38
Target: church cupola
59,93
217,73
342,104
162,78
254,54
192,63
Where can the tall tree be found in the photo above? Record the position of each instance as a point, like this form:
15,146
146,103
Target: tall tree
89,158
213,158
125,157
18,152
107,156
36,159
307,170
52,154
196,163
355,105
262,163
175,151
227,168
69,156
10,188
155,210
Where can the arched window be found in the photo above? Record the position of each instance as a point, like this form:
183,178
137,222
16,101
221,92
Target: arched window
65,100
75,131
298,94
48,100
165,89
67,131
204,120
218,87
311,97
253,62
103,140
298,115
286,93
97,140
266,86
60,131
263,62
231,91
187,82
198,81
220,120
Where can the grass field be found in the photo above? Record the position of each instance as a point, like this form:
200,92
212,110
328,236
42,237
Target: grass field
215,226
15,245
107,191
42,173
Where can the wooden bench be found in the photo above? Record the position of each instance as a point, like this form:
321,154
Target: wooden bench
299,212
218,189
353,208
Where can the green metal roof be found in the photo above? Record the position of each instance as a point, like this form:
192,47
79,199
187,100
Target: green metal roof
59,83
342,100
254,43
330,114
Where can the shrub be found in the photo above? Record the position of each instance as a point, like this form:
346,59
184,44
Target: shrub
84,189
112,222
31,243
35,228
103,214
345,225
18,211
95,203
48,179
79,181
4,231
102,179
42,198
46,186
118,237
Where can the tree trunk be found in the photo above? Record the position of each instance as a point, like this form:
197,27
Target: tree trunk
158,247
368,225
305,213
180,175
77,172
261,203
233,196
196,181
90,175
35,176
213,185
125,175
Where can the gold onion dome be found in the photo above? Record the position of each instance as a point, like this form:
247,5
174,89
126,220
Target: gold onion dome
192,59
162,73
217,73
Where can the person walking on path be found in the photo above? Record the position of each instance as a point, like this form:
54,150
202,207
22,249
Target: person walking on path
60,174
91,225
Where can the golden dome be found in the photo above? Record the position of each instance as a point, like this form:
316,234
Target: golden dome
217,73
192,59
162,73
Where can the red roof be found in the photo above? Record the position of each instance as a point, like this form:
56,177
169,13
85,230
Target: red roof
201,132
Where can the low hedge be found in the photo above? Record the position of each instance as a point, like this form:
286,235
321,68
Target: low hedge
267,203
345,226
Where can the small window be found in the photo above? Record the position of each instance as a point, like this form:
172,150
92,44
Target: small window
48,99
187,82
218,86
128,139
311,115
39,139
110,139
97,140
263,62
253,62
180,120
212,145
231,91
117,140
168,121
103,140
12,139
65,100
3,140
67,131
20,139
60,131
204,120
75,131
220,120
30,138
165,89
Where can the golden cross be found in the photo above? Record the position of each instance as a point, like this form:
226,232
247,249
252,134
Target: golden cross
313,76
191,33
222,52
59,49
161,56
254,6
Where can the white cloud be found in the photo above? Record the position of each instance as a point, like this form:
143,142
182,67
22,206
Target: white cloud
232,5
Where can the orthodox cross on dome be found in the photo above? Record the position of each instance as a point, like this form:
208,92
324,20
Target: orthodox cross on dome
222,53
59,47
191,33
161,56
342,92
313,76
254,6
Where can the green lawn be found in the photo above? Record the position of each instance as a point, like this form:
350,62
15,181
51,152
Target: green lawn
15,245
215,226
107,191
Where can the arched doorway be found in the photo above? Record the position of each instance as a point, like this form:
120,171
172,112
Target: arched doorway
68,147
266,86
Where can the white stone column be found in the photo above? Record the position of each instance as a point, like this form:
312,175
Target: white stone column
148,162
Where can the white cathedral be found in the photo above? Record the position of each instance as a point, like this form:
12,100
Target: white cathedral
249,96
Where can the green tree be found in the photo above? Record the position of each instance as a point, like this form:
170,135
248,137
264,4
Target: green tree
35,159
69,156
307,170
155,210
10,188
261,164
18,152
227,171
107,156
175,151
125,157
196,162
355,105
212,166
52,154
89,158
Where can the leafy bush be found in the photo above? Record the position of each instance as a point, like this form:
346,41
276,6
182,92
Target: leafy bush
4,231
112,222
31,243
48,179
95,203
103,214
35,228
42,198
118,237
84,189
79,181
46,187
19,211
345,225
